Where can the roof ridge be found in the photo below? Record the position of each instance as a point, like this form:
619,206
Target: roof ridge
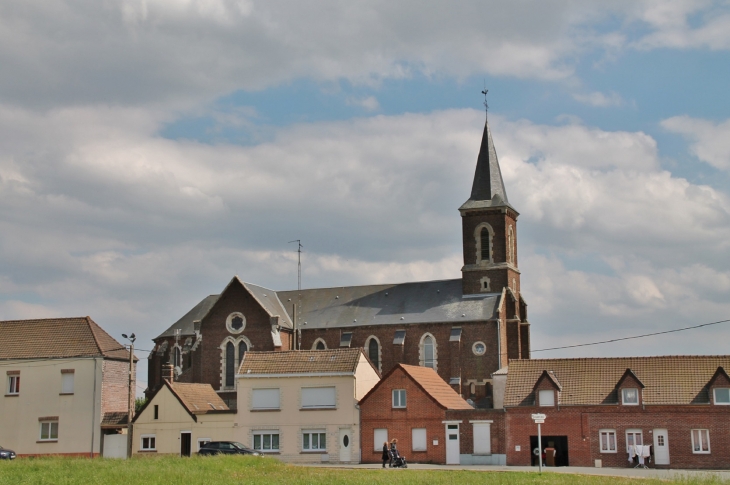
672,356
374,284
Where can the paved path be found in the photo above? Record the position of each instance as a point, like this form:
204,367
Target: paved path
616,472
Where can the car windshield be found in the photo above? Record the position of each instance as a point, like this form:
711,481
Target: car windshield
239,446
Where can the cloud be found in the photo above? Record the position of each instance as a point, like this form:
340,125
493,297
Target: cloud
599,99
369,103
710,141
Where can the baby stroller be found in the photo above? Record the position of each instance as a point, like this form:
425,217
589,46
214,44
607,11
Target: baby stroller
397,461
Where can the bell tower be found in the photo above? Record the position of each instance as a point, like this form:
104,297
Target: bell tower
489,227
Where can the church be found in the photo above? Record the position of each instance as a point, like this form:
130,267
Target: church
465,329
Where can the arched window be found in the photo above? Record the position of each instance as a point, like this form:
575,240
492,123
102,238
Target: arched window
319,345
242,348
230,364
374,352
177,361
510,246
484,238
428,351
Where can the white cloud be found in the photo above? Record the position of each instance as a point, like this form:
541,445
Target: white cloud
685,24
710,141
369,103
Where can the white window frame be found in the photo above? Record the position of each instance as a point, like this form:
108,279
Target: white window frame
399,398
261,434
308,436
634,433
415,432
721,403
331,389
545,392
13,385
49,426
703,436
67,383
378,438
202,442
151,442
267,408
609,433
623,396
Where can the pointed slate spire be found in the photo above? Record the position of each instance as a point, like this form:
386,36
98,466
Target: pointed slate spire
488,177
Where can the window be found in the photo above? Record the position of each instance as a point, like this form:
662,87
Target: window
722,395
485,242
510,246
482,438
374,352
455,335
380,436
236,322
318,397
700,441
418,439
266,441
633,437
148,442
157,411
399,398
67,381
630,397
202,442
319,345
608,440
49,431
177,359
479,348
314,440
230,364
345,339
428,351
400,337
242,349
546,397
14,384
265,399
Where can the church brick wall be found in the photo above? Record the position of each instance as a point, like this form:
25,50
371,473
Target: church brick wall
582,424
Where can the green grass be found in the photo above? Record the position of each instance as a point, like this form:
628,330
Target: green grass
225,470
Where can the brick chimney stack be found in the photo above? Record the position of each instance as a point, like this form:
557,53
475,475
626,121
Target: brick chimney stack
168,373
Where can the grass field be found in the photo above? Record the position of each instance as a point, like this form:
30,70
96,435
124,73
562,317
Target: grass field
232,470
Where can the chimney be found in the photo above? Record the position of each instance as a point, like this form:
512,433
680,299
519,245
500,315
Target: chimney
168,372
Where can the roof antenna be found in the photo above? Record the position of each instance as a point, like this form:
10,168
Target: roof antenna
299,261
484,92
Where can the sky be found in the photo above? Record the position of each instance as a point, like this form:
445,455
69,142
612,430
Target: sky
150,150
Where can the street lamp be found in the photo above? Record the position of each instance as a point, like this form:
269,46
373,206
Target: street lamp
130,405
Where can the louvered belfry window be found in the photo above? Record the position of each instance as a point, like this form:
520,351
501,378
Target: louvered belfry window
484,236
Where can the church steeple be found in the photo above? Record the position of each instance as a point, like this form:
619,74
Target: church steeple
487,190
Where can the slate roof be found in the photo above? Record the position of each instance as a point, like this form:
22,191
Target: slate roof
488,187
197,398
393,304
300,362
592,381
185,324
57,338
435,387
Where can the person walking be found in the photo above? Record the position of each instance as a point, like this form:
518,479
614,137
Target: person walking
386,454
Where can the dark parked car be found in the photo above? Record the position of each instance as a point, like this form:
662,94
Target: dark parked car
6,454
226,448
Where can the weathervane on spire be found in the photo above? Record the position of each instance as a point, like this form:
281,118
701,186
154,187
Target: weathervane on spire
484,92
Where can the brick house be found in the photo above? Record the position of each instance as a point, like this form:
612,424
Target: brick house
465,329
597,407
66,386
432,423
179,418
301,406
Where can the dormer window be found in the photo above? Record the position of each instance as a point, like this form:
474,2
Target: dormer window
630,397
546,397
722,395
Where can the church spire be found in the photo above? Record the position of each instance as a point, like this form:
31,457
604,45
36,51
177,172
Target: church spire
488,177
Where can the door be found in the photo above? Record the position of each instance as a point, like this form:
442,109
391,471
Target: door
345,445
452,444
185,442
661,447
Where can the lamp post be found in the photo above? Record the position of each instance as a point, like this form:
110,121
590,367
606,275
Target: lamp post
130,405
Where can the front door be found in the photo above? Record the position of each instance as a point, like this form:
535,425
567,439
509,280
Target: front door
345,445
185,443
661,447
452,444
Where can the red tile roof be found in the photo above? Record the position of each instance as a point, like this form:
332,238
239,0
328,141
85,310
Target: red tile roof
57,338
586,381
435,387
198,398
